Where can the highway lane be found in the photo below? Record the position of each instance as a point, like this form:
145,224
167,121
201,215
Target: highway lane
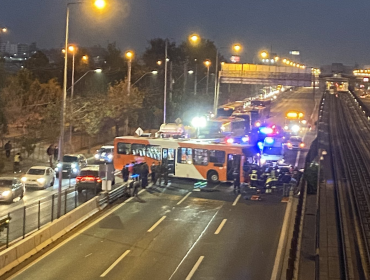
148,246
299,100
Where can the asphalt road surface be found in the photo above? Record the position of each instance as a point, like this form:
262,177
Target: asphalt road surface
177,232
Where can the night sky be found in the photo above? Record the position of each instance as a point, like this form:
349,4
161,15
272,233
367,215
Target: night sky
325,31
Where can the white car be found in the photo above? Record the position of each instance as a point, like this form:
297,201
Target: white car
39,177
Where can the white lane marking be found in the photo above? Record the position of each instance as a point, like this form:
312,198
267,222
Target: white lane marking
195,243
185,197
115,263
220,226
88,255
299,152
156,224
197,264
237,199
69,239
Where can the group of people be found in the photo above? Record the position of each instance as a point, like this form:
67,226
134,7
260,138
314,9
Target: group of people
139,173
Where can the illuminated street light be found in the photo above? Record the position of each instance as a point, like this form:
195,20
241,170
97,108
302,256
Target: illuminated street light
154,72
100,4
194,38
207,63
264,54
276,58
129,55
3,29
159,62
190,72
237,47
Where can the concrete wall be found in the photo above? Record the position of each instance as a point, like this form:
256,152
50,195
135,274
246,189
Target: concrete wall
29,246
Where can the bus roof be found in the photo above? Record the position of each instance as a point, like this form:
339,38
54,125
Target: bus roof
212,143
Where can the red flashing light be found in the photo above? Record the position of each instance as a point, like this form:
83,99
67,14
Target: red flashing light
230,141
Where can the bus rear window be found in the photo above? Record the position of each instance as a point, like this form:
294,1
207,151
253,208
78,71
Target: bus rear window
123,148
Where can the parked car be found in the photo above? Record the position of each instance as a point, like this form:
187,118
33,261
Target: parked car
89,179
11,188
71,165
104,154
39,177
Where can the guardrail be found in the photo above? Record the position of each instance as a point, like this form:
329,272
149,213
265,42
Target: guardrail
33,217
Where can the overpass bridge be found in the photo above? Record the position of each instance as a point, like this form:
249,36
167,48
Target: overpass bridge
232,73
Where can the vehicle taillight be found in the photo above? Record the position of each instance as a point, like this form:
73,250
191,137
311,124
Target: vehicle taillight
289,144
78,179
98,179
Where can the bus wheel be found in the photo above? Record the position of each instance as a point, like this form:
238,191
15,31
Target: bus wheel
212,176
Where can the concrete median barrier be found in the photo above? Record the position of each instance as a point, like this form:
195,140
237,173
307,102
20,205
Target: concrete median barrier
29,246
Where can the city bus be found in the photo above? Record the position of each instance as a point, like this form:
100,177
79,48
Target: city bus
196,159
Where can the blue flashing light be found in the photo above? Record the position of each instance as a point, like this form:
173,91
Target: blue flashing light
260,145
245,139
269,140
266,130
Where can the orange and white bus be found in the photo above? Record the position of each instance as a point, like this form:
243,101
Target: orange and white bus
196,159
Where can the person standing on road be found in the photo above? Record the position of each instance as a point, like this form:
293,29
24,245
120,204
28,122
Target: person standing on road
153,170
8,149
144,175
17,163
125,173
56,151
50,153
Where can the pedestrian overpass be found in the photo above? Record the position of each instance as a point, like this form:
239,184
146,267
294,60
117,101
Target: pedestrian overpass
232,73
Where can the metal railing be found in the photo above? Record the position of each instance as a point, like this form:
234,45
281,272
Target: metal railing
30,218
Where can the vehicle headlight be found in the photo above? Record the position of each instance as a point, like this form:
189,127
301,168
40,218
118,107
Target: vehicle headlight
5,193
295,128
262,160
74,165
110,156
96,156
286,127
24,179
304,121
59,165
74,170
41,180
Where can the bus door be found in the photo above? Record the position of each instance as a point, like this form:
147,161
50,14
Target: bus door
233,163
169,156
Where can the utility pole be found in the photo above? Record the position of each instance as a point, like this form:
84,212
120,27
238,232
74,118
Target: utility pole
171,81
165,83
195,77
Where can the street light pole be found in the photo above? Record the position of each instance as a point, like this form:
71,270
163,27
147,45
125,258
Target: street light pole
165,83
129,77
195,77
61,137
72,91
215,100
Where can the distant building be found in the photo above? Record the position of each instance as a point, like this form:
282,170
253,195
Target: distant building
22,50
8,48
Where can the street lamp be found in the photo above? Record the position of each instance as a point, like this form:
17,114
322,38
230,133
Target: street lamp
207,63
194,38
264,54
100,4
237,47
129,55
154,72
3,30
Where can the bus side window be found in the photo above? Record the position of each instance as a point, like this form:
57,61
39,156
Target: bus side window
184,155
216,156
138,149
123,148
200,157
153,151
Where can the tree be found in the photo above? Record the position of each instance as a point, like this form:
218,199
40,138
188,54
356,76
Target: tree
121,107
